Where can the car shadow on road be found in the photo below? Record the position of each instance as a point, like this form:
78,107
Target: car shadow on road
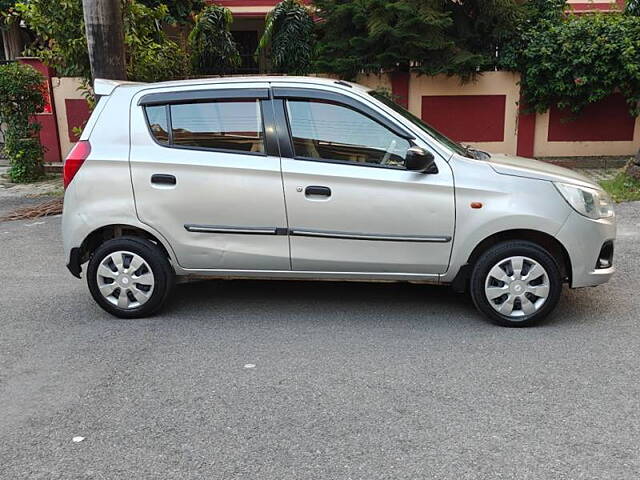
352,301
326,301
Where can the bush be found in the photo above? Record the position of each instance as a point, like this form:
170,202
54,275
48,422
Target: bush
157,62
579,60
21,97
633,7
151,56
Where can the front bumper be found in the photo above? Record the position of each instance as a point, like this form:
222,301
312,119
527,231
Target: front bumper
584,239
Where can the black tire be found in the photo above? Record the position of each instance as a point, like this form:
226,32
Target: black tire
163,275
503,251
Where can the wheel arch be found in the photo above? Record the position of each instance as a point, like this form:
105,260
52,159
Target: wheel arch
544,240
97,237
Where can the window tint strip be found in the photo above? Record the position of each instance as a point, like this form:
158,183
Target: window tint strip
197,96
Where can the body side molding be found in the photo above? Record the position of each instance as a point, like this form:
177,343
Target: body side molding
301,232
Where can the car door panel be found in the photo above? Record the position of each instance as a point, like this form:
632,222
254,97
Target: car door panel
225,209
377,218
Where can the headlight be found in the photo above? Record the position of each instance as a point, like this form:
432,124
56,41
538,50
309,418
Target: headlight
589,202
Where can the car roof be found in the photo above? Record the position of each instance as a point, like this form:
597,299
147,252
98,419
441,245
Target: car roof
106,87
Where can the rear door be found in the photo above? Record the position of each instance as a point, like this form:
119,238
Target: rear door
352,206
206,175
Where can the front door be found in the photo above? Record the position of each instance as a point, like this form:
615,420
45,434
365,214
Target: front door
207,177
351,204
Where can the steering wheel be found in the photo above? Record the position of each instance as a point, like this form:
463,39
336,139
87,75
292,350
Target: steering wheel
388,151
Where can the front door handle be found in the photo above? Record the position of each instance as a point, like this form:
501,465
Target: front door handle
163,179
317,190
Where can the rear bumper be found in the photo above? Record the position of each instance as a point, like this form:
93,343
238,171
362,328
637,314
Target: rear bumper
584,239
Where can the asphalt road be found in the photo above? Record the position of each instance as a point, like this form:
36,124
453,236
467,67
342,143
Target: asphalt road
351,381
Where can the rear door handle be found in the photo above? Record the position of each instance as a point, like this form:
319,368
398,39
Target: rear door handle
317,190
163,179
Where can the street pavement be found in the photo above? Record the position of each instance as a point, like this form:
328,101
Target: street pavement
309,380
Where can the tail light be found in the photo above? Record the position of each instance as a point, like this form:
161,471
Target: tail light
74,161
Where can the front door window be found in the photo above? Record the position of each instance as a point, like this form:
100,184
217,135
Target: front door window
323,130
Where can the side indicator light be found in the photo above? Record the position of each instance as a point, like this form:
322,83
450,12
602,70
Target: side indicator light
476,204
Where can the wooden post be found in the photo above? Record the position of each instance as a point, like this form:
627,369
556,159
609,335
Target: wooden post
105,38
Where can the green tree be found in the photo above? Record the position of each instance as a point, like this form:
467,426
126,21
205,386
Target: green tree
538,15
21,97
633,7
211,45
59,27
178,11
61,41
375,35
289,38
483,27
12,37
426,36
151,56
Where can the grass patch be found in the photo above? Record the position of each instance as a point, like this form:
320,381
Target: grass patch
622,188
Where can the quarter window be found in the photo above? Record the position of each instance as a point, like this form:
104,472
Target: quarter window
157,118
330,131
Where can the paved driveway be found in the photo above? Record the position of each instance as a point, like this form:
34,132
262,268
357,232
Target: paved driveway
351,381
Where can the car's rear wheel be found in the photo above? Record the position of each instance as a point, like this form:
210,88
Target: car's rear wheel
129,277
516,283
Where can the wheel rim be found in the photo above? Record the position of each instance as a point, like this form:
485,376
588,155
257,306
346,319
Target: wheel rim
125,280
517,287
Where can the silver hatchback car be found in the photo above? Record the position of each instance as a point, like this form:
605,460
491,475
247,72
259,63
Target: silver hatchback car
307,178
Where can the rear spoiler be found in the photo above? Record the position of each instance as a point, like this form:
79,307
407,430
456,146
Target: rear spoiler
105,87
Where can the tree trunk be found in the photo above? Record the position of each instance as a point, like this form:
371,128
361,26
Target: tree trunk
12,40
105,38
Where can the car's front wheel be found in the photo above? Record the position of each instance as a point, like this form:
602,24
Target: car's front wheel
516,283
129,277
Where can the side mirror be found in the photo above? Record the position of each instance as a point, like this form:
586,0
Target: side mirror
419,160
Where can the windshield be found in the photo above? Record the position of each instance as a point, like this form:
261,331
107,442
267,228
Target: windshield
455,146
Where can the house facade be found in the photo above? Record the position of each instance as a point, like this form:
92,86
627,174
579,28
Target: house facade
484,113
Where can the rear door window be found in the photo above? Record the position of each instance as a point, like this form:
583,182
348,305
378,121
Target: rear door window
226,125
